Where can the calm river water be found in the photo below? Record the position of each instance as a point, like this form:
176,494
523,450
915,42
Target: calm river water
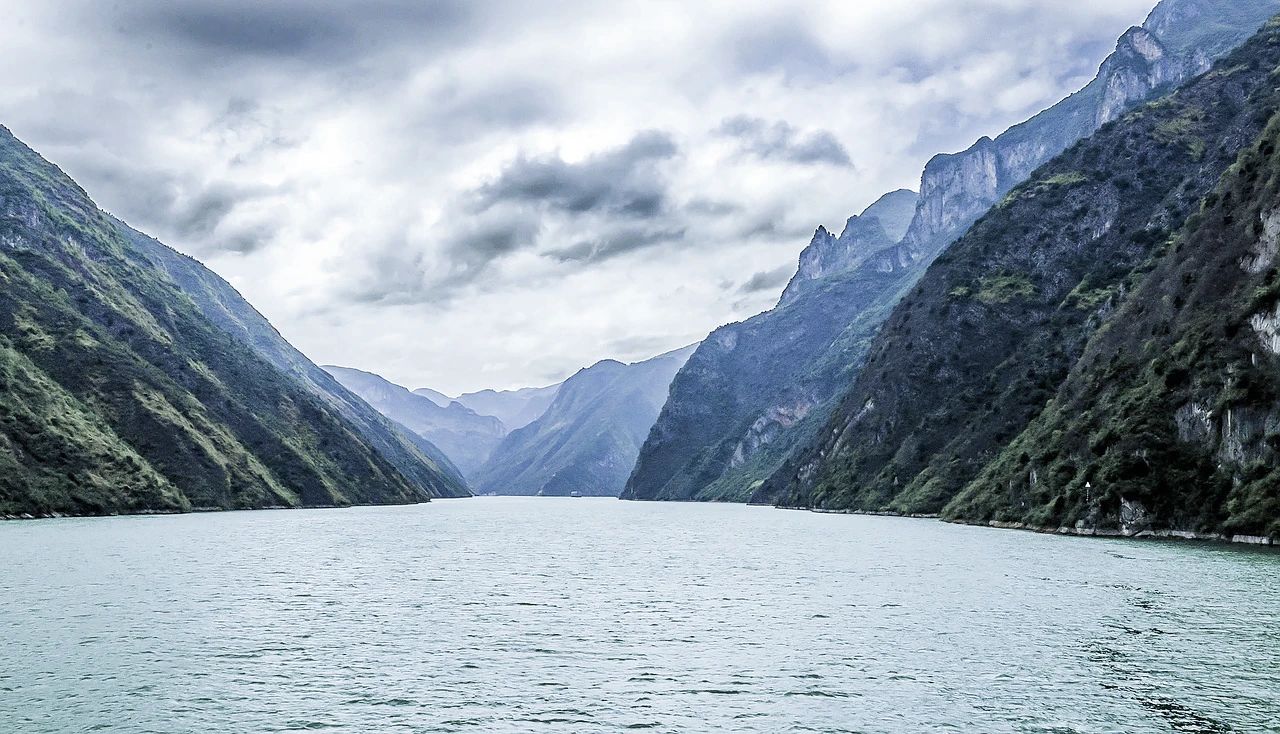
586,615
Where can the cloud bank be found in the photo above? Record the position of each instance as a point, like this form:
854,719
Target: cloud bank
492,194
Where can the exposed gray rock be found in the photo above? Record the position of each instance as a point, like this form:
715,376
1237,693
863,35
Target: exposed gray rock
864,236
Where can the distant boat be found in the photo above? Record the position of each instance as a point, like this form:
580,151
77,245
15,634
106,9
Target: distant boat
575,493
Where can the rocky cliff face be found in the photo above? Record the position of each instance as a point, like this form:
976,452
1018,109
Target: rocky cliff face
881,225
1173,45
1140,64
587,440
1169,419
736,413
120,395
971,356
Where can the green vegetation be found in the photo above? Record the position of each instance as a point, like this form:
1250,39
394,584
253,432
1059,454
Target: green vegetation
1085,298
1182,130
1173,406
1003,288
959,408
120,396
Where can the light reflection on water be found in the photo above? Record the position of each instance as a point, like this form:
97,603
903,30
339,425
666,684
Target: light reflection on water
584,615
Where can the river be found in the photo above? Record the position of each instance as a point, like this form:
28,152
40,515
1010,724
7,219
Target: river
596,615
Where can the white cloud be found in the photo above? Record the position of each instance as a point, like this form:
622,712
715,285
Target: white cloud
328,157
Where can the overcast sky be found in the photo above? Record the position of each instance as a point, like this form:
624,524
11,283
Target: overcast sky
493,194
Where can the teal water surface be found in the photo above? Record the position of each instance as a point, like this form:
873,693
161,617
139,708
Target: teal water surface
585,615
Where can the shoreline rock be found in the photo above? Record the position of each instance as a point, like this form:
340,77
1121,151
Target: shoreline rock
1084,532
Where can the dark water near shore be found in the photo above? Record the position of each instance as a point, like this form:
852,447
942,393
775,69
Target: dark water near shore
580,615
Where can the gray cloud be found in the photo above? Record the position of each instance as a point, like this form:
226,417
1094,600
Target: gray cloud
234,31
399,271
702,206
623,181
767,280
192,214
396,180
779,140
619,242
481,240
779,45
510,104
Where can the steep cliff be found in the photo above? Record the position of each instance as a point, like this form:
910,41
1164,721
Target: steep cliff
758,389
969,358
881,225
119,395
1179,40
1170,419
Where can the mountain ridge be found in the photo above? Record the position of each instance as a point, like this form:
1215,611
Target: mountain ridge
120,396
587,439
461,434
973,355
713,442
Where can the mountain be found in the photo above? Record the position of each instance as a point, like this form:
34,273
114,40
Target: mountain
587,440
515,408
883,224
415,457
1079,275
1170,418
464,436
434,396
119,395
753,390
760,389
1178,40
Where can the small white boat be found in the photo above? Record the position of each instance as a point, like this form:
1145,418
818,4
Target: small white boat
575,493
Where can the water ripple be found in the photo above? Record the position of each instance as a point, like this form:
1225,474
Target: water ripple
577,615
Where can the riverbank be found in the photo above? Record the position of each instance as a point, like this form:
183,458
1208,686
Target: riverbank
1166,534
195,510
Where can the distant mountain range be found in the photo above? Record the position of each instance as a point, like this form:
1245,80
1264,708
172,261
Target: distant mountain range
588,438
581,435
515,408
134,380
465,436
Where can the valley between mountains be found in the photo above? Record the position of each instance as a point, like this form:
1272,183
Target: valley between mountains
1073,326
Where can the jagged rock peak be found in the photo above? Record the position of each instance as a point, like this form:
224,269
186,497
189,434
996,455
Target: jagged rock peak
1139,65
878,226
1179,40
